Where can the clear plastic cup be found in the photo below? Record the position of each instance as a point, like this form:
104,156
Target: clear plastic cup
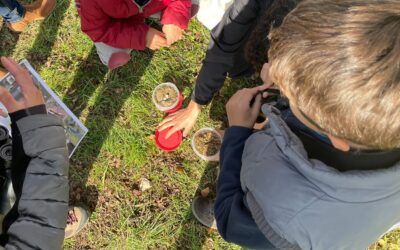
214,157
171,107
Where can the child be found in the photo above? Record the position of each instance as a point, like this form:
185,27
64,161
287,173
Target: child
226,54
39,169
117,26
325,173
17,16
39,173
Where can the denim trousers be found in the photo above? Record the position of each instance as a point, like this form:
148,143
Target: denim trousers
11,10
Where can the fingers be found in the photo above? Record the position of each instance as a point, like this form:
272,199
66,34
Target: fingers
24,80
166,125
255,109
8,100
3,113
169,118
172,130
11,66
246,95
187,130
160,42
159,33
172,39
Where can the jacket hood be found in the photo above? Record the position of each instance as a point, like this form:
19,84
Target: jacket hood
348,186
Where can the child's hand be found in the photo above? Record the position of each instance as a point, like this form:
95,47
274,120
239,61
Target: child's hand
183,119
155,39
238,108
32,96
172,32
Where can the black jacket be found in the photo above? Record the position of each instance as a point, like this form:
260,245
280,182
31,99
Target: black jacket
225,54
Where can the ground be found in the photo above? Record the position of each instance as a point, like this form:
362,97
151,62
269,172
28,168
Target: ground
119,149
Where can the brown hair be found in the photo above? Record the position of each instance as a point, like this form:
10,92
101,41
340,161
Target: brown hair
257,46
338,61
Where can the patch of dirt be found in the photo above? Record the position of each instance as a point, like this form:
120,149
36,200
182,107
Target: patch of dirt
207,143
166,96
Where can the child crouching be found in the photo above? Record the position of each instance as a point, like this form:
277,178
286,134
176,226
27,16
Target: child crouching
117,26
325,173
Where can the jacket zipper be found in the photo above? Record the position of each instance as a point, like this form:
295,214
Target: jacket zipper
141,7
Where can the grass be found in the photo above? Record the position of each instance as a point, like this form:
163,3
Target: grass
119,149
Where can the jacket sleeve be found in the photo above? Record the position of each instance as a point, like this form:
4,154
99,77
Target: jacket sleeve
226,48
234,220
43,203
178,13
119,31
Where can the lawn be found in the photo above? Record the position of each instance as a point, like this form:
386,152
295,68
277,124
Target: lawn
119,149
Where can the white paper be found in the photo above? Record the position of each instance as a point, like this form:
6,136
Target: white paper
74,129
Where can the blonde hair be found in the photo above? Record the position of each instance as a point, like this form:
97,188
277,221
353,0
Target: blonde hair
339,63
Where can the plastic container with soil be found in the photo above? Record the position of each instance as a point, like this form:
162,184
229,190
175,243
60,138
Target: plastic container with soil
170,144
167,98
206,143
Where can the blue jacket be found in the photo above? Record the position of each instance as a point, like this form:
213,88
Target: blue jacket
276,194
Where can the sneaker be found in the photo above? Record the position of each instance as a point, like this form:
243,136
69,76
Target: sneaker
3,72
36,11
118,59
77,219
203,210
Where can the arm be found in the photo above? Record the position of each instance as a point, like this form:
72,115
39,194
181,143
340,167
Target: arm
39,169
114,25
227,40
226,47
234,220
177,13
42,190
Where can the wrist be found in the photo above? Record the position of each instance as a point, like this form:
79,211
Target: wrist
241,125
35,110
194,107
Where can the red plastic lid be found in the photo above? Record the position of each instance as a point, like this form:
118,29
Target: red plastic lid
169,144
178,105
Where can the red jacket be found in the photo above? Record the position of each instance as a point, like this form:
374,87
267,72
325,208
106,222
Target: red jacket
120,23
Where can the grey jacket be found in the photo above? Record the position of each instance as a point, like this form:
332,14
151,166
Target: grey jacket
43,205
299,202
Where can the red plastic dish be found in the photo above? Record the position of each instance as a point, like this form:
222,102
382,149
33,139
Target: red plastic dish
170,144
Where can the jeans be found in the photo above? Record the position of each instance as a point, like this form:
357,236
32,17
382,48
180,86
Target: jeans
11,10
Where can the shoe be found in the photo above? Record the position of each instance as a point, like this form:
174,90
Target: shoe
3,72
118,59
36,11
203,210
77,219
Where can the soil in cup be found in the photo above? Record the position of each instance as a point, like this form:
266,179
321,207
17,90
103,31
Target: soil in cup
207,143
166,96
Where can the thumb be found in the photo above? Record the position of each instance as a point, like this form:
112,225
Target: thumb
3,113
8,100
255,109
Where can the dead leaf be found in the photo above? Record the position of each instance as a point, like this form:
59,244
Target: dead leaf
205,192
179,168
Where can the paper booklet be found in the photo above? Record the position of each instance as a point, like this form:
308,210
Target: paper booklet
74,129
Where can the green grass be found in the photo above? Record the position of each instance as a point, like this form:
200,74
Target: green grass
119,149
